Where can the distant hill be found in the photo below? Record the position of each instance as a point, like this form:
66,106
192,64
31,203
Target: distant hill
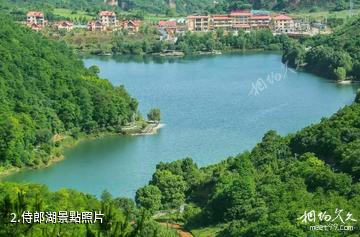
190,6
287,5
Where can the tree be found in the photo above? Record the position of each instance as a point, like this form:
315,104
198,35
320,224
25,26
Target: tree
172,188
340,73
94,70
154,115
149,198
357,99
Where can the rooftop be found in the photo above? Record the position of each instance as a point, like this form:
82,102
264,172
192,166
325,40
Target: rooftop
107,13
240,13
197,17
36,14
282,17
167,23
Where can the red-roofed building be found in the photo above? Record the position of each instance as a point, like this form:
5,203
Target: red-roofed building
167,25
35,20
107,18
64,25
283,24
131,25
96,25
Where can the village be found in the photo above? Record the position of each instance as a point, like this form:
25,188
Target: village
235,21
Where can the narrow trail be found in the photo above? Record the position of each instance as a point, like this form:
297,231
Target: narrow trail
178,228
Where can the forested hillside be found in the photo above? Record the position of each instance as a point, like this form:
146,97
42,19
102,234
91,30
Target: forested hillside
265,192
187,6
288,5
46,93
335,56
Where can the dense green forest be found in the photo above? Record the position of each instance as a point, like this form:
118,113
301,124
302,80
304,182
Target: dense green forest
335,56
186,6
265,192
47,94
120,216
285,5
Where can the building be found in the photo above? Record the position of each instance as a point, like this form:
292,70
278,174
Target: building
181,26
223,22
199,23
35,20
240,17
283,24
96,25
302,25
167,30
64,25
108,18
131,25
260,21
169,25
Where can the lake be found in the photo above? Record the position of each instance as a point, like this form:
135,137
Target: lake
213,107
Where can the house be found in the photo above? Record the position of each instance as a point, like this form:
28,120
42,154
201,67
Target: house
96,25
221,22
167,30
169,26
35,20
131,25
199,23
64,25
283,24
107,18
35,27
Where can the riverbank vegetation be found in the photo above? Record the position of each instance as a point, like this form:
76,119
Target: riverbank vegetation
47,94
334,56
147,42
266,191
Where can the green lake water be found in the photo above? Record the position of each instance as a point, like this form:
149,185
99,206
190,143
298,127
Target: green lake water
213,107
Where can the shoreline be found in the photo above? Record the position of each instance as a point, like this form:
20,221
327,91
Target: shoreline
152,130
177,54
68,143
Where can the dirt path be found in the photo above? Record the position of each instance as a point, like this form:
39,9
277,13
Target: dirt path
178,228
